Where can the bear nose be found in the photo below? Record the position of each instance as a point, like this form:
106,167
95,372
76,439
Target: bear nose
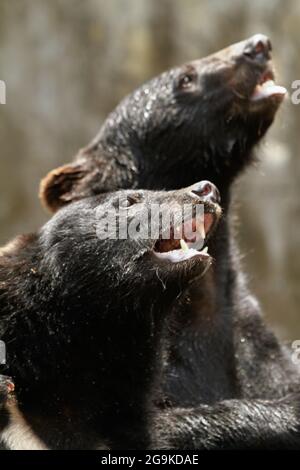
258,48
206,190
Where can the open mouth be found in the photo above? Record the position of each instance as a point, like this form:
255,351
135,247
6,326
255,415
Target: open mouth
188,240
267,88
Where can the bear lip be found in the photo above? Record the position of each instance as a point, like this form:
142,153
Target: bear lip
175,249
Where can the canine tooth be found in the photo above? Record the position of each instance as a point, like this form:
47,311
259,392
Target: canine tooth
183,245
205,251
202,230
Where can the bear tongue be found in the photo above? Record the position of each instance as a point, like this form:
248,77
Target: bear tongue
183,254
266,90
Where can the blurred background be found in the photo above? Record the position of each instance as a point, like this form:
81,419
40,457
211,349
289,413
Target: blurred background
66,64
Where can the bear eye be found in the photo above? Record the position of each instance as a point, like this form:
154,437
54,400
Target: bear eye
129,201
187,80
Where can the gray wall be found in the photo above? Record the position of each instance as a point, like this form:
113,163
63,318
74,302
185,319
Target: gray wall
68,63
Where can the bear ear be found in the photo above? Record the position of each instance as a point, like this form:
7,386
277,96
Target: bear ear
57,188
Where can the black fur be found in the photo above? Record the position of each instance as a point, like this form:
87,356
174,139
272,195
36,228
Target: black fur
194,122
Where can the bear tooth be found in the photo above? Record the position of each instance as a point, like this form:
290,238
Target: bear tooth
202,230
183,245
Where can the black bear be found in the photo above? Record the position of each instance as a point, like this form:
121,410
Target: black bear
87,319
201,120
203,117
83,315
